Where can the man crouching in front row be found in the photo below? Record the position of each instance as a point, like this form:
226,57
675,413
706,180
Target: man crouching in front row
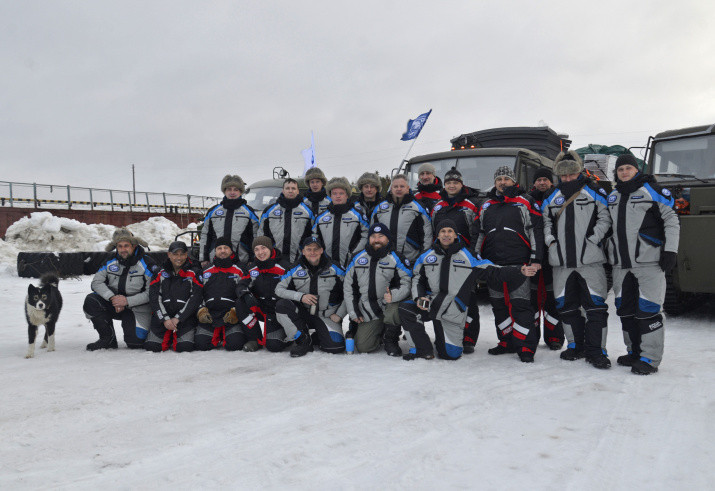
310,296
441,288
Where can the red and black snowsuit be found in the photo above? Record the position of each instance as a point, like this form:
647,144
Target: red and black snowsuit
220,282
428,194
174,295
509,231
256,296
542,292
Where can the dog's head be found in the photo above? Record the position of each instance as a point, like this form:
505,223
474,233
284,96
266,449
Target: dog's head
38,297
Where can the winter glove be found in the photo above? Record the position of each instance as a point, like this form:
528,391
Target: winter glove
668,260
231,317
204,316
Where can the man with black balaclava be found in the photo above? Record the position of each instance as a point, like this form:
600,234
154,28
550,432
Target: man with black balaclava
576,222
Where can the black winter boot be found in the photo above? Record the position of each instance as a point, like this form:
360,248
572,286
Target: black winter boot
107,338
571,353
301,346
390,339
526,355
599,361
501,349
627,360
641,367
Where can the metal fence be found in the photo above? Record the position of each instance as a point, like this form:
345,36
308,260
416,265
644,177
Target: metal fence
49,196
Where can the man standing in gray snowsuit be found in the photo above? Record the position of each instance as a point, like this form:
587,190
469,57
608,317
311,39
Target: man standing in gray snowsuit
642,250
576,221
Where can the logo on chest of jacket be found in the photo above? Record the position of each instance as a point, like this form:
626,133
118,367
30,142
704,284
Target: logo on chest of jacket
254,273
164,274
640,196
113,268
485,205
612,198
134,272
207,276
384,206
363,261
559,200
437,207
277,212
327,218
302,273
219,213
666,192
457,261
431,259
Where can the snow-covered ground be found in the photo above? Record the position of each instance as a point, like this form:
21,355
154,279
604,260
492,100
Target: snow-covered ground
137,420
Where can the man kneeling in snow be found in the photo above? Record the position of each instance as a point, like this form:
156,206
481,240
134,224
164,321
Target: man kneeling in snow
441,287
219,324
120,290
174,295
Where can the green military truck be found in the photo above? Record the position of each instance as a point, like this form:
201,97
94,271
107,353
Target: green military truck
684,162
477,155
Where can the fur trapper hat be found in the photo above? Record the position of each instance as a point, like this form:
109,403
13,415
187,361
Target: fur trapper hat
315,173
568,163
505,171
124,235
368,178
230,180
339,182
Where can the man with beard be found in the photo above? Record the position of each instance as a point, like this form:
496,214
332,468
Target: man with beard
458,203
256,294
576,221
232,218
219,324
441,289
311,297
542,285
287,222
341,225
375,282
369,196
175,295
509,232
642,250
406,219
316,197
428,186
120,290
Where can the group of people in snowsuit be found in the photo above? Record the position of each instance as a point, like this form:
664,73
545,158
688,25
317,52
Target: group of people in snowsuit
287,279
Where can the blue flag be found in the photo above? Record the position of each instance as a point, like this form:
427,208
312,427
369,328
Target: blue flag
414,126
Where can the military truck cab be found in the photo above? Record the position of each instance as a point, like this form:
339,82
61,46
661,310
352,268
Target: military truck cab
477,155
684,162
260,194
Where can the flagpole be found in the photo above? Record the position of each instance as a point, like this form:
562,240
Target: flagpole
410,149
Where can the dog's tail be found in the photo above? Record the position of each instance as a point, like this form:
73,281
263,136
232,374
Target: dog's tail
49,279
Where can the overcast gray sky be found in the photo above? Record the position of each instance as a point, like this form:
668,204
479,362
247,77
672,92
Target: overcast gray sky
190,91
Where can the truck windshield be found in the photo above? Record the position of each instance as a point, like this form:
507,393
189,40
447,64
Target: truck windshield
477,172
689,157
260,198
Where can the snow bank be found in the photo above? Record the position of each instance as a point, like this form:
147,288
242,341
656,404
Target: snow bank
42,231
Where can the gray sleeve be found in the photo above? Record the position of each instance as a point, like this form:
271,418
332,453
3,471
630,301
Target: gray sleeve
603,223
99,285
671,227
403,292
282,290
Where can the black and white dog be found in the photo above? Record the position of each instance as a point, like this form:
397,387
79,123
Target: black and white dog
42,307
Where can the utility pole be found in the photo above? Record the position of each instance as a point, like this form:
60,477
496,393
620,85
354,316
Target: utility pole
134,186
